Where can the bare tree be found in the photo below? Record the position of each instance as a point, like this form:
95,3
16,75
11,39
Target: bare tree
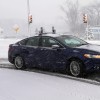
71,11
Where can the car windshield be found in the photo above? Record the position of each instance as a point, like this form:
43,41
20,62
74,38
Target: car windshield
71,41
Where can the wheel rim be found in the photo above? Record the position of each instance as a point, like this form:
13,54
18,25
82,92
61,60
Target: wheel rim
74,68
18,62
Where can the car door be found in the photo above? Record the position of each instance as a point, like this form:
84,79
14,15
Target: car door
30,51
54,57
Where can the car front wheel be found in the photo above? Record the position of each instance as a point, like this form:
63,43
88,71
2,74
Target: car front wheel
19,63
76,68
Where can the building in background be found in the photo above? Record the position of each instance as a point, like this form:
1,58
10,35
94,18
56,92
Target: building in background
94,32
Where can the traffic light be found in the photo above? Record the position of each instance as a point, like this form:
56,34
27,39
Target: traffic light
85,18
30,19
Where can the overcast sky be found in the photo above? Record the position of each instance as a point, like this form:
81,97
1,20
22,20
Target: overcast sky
43,11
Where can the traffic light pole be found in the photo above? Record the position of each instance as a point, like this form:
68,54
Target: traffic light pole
85,20
87,30
28,11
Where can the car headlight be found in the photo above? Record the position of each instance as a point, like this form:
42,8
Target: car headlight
91,56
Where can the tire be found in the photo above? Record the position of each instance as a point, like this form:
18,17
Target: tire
76,68
19,63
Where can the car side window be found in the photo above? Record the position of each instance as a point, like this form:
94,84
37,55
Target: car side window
34,41
22,42
48,42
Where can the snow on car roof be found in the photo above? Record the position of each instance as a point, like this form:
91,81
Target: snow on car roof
51,34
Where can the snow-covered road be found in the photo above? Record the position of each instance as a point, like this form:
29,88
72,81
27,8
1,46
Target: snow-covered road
22,85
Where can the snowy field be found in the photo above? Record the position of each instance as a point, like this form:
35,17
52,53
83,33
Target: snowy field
23,85
4,45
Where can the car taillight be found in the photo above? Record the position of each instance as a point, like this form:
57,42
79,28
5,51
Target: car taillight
10,48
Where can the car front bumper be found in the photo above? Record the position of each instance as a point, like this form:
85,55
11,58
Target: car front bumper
92,64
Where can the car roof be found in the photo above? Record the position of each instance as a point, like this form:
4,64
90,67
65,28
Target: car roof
53,35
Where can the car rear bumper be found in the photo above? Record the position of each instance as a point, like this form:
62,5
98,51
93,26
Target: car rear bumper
10,59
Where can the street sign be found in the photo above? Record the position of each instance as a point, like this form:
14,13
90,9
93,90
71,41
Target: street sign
16,28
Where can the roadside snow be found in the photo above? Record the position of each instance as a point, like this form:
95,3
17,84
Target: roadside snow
4,45
22,85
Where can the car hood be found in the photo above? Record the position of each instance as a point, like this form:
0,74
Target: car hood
90,47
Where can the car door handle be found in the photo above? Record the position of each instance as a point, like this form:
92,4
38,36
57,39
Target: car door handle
43,49
25,50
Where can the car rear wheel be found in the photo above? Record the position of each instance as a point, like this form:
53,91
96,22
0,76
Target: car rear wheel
19,62
76,68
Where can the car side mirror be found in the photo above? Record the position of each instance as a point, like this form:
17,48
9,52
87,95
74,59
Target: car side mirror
55,46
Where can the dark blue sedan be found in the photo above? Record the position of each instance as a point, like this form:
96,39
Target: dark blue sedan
55,52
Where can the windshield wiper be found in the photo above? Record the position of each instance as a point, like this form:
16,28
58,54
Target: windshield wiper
81,44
